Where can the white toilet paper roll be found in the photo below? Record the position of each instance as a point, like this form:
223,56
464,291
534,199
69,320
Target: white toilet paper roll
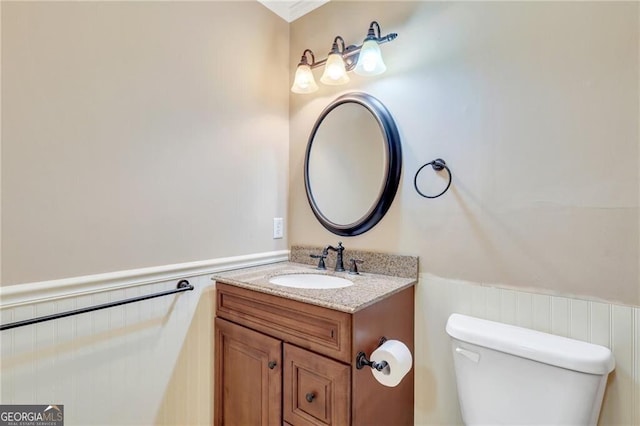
398,357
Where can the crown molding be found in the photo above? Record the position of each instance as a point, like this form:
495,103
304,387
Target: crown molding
292,10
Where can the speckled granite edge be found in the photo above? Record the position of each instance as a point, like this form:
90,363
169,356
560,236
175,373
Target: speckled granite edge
372,262
366,289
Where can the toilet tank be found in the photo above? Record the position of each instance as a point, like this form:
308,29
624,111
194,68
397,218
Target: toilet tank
508,375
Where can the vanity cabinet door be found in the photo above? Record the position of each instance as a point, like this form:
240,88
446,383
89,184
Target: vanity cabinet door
317,390
248,376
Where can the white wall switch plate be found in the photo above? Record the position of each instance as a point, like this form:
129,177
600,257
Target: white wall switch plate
278,227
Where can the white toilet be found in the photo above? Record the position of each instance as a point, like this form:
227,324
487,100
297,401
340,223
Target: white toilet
508,375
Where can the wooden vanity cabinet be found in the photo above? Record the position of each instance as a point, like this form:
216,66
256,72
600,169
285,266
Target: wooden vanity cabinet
316,390
249,387
280,361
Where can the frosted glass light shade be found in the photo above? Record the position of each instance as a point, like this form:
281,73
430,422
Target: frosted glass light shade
304,81
370,60
334,72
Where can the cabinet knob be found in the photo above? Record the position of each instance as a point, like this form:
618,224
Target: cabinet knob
272,364
310,396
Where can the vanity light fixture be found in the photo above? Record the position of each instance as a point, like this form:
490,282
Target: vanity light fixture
365,59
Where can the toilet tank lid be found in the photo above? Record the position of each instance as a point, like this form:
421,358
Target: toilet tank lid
535,345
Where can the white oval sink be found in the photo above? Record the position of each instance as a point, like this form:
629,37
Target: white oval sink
310,281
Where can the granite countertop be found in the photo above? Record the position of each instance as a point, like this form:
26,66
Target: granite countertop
365,291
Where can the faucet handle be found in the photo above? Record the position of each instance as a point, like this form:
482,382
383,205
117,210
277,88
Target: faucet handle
320,258
354,266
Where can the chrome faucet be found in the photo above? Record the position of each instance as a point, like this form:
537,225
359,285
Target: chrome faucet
339,250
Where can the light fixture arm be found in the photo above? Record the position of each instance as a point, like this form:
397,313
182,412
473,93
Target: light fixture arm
304,60
335,48
371,34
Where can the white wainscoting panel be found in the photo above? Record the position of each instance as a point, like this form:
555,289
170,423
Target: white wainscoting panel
142,363
111,366
614,326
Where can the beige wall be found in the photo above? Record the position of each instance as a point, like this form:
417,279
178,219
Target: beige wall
126,143
535,108
140,134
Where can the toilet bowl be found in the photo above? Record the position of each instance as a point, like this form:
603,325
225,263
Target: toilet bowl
508,375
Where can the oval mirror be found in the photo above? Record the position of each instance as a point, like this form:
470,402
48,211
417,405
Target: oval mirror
352,164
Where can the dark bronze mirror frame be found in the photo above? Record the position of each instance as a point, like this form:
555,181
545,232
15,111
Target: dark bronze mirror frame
394,166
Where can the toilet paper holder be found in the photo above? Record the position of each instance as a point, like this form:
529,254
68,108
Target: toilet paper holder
362,361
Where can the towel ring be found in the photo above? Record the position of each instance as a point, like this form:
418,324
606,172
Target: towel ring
437,165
